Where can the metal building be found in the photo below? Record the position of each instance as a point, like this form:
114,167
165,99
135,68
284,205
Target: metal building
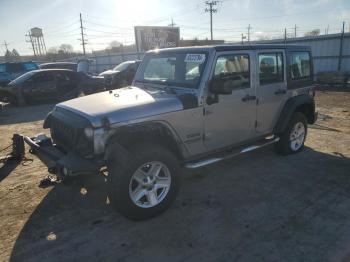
330,52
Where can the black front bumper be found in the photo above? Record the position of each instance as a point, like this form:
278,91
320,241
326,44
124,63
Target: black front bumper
60,162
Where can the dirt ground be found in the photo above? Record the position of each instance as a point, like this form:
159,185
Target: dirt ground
256,207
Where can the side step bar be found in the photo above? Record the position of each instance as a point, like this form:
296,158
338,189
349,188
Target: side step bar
215,159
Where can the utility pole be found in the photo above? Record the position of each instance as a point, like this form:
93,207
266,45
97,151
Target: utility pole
82,34
211,10
295,31
31,42
249,28
341,47
285,36
6,46
172,23
243,37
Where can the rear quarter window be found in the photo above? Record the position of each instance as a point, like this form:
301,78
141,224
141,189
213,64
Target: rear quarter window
300,65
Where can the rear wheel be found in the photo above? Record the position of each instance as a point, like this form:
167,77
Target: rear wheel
293,138
143,184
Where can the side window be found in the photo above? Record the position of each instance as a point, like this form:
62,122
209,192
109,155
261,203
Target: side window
235,68
270,68
62,76
43,78
300,67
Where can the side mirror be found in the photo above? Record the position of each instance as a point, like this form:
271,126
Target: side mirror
221,85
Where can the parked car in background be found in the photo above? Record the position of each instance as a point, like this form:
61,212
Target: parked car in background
42,84
122,75
11,70
60,65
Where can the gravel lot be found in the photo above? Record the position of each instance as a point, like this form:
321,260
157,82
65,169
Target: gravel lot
256,207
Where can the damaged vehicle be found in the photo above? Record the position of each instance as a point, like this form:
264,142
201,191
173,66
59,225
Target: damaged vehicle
186,108
121,75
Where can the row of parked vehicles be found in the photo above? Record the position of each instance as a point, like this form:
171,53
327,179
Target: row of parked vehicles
27,82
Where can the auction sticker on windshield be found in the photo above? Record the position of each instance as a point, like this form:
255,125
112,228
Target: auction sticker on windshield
195,58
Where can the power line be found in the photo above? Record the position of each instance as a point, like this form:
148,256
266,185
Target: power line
211,10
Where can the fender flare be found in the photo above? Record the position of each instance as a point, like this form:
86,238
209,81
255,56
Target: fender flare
290,107
141,128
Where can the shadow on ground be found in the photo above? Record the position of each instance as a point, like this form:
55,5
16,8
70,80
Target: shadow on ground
257,207
14,115
6,167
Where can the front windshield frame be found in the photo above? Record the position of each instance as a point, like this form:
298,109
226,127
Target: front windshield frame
182,84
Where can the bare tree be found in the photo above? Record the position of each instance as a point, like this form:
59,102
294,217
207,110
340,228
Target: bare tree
114,44
66,49
52,50
314,32
15,55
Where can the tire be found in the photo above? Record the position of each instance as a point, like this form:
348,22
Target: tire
286,145
139,200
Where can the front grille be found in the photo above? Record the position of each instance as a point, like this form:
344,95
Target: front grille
67,131
63,134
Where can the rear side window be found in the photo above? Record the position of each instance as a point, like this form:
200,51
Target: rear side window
270,68
300,67
235,68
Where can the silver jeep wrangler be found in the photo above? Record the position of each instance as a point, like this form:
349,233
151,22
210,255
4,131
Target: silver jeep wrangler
187,108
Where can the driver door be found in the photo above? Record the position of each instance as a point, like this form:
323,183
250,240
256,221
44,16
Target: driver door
232,119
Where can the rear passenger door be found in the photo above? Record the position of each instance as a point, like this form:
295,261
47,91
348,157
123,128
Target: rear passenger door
65,84
272,88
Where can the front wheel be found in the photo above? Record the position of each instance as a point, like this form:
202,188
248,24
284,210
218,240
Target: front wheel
145,183
293,138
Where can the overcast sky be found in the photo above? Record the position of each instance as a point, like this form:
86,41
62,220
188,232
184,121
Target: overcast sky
108,20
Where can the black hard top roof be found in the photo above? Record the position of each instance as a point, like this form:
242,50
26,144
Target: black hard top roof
259,46
59,63
232,47
52,70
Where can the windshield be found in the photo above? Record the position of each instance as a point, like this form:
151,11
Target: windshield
23,78
183,69
122,66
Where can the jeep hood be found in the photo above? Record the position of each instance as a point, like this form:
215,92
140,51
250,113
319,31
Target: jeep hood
126,104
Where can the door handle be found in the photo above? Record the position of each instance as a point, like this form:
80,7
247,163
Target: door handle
248,98
280,92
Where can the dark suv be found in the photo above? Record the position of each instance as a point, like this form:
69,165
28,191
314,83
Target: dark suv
11,70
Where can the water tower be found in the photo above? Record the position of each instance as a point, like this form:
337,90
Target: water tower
37,40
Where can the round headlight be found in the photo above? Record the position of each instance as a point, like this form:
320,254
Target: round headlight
89,133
